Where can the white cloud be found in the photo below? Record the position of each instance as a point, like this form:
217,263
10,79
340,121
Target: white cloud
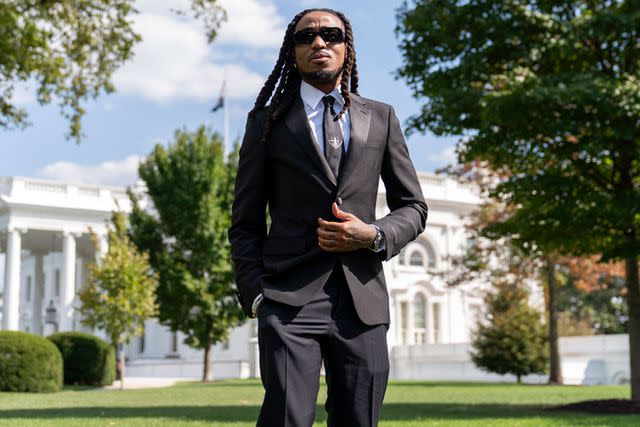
252,23
174,60
120,172
445,156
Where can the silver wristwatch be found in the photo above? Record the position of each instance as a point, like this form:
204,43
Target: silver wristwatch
256,305
375,245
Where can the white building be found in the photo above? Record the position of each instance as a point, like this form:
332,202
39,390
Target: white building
45,244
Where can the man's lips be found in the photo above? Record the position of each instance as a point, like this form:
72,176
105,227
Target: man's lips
319,58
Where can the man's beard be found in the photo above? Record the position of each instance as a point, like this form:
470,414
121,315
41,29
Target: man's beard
321,76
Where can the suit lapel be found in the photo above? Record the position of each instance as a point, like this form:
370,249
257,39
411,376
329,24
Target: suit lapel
360,120
298,123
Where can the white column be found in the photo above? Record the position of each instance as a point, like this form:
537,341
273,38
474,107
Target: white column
411,339
396,326
448,244
11,295
102,247
38,289
68,279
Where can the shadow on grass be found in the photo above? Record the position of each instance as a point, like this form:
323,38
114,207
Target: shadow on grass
390,412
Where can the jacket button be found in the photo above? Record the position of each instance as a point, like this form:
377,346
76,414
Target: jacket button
339,200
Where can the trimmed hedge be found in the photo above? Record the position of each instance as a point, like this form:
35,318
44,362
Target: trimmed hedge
29,362
88,360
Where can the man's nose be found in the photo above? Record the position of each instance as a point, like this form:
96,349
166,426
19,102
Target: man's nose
318,42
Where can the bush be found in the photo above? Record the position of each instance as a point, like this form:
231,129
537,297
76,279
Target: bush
29,363
513,340
88,360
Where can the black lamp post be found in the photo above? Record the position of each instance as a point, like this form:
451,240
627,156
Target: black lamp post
51,316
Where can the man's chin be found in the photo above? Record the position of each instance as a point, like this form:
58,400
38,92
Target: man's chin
321,76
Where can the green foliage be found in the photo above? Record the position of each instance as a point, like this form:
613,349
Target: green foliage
71,48
604,309
29,363
513,340
547,94
120,290
87,359
546,91
191,187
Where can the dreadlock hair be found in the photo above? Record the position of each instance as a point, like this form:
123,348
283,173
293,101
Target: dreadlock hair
289,78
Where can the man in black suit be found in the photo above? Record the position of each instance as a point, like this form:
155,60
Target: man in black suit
314,279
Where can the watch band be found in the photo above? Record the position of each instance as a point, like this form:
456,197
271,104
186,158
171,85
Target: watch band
375,245
256,303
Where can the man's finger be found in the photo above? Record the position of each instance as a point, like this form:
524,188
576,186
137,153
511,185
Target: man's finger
340,213
330,225
328,243
327,234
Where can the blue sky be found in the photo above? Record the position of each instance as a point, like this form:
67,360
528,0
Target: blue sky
175,78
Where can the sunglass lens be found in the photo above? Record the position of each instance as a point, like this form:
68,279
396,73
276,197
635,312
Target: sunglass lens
304,37
331,35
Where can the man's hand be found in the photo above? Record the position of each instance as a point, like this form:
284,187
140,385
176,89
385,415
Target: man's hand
345,236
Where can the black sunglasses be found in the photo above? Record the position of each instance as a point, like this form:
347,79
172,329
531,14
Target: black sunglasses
328,34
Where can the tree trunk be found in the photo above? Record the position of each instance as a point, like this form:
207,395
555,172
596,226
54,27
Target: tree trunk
519,379
207,374
120,364
633,299
555,370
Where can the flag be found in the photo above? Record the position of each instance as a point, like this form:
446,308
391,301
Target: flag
220,103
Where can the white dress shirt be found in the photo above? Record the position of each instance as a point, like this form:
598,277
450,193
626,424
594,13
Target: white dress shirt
314,107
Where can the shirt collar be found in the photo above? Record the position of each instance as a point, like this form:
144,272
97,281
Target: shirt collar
312,96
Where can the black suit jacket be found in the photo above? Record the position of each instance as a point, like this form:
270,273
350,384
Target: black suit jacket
289,173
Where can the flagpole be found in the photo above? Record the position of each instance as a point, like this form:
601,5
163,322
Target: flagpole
227,147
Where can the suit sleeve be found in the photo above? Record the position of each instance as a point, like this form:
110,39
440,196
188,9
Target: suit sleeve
248,228
408,210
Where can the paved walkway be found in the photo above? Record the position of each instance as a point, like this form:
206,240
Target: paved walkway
146,382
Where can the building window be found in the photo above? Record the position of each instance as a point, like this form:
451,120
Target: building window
57,283
419,320
404,331
415,258
28,288
475,315
436,321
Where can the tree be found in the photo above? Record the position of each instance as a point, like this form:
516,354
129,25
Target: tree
71,48
488,260
598,306
513,339
120,291
547,91
185,231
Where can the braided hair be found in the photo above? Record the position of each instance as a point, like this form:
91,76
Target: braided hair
289,78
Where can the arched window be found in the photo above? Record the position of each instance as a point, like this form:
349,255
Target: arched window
419,319
415,258
415,253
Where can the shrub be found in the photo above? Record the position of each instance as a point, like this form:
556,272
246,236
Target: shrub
29,363
88,360
514,339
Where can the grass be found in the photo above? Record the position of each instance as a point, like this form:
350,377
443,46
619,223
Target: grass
237,403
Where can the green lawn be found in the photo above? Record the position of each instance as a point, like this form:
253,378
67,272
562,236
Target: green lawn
237,402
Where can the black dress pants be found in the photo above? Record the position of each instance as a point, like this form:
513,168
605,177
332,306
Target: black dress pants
293,341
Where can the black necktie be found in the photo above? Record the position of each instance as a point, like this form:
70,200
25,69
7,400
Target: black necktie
333,144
